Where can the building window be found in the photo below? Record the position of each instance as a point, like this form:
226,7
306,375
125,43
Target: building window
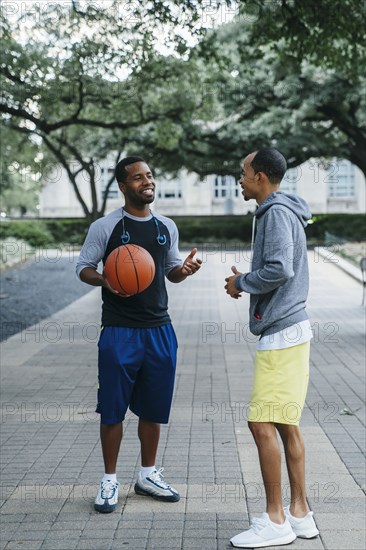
170,189
105,176
225,187
289,182
341,176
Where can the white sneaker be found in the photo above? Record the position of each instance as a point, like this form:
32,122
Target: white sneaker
304,528
263,532
107,497
154,486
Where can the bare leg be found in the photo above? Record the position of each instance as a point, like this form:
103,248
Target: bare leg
111,437
265,437
149,435
295,460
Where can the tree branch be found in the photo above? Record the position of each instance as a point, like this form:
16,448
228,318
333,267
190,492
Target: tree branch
5,71
48,128
348,127
72,177
22,113
108,186
81,100
75,7
72,149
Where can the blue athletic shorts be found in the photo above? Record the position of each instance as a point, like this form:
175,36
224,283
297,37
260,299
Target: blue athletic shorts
136,369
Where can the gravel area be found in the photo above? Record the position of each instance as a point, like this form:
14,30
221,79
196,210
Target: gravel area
34,290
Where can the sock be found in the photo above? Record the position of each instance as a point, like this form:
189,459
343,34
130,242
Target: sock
111,477
146,471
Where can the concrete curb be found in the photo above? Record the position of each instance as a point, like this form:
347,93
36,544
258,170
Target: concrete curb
333,258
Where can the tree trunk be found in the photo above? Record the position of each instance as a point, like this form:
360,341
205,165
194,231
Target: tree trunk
359,160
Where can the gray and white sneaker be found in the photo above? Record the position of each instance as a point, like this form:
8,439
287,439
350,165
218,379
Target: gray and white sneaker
107,497
155,486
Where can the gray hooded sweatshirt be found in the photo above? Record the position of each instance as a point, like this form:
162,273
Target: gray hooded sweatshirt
279,281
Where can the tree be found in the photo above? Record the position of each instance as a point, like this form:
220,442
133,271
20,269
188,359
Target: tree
20,157
20,172
327,33
22,197
90,80
306,111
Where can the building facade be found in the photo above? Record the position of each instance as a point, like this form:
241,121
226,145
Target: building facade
338,188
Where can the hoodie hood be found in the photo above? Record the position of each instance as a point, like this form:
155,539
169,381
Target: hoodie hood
296,204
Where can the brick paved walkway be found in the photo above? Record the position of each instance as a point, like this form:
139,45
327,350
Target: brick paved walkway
51,458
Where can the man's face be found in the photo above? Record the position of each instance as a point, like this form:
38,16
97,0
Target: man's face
139,188
248,180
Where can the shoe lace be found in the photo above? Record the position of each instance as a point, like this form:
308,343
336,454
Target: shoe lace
157,476
257,524
109,488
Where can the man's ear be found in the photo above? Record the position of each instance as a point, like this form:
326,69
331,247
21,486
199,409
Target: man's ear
262,178
122,186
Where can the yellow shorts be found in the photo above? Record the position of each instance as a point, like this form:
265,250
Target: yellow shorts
281,379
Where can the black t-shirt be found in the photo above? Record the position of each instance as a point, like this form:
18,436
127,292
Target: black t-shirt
149,308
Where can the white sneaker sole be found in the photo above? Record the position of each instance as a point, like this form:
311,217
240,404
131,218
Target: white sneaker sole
265,544
306,534
146,493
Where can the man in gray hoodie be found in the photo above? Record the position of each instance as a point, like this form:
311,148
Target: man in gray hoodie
278,285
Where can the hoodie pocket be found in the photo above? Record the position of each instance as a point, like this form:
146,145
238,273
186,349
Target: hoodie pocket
262,307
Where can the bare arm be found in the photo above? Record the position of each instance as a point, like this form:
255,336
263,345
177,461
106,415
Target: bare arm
176,275
93,277
189,267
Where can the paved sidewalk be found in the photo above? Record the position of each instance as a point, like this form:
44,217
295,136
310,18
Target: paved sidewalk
51,458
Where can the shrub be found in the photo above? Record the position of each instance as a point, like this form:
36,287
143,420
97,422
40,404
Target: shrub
343,227
204,229
68,231
33,232
198,229
192,229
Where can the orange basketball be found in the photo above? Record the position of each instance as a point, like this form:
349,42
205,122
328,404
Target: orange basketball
129,269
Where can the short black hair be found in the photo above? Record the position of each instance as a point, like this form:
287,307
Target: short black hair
271,162
120,173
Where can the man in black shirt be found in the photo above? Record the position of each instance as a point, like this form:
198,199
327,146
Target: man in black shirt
137,346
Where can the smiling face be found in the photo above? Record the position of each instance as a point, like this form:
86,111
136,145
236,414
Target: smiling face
249,179
139,186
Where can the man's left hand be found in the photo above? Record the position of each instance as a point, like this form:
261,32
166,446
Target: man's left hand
230,284
190,265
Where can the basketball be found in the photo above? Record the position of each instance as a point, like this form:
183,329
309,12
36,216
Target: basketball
129,269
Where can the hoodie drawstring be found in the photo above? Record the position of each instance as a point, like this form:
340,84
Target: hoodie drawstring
252,243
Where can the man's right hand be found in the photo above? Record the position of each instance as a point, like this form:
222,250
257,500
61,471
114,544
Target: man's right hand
106,285
92,277
230,284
